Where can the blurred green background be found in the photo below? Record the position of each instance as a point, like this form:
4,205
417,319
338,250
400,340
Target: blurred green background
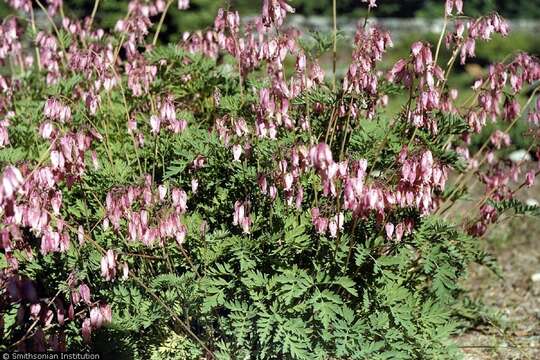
202,12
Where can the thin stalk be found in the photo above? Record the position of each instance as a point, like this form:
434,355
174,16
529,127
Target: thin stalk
346,132
55,28
149,291
441,38
188,259
169,263
94,11
175,317
449,68
135,146
33,22
486,196
156,143
51,21
160,24
391,126
121,42
106,143
353,242
239,65
27,334
412,137
330,124
464,178
334,51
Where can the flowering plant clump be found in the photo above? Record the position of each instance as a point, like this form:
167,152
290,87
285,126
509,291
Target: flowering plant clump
222,197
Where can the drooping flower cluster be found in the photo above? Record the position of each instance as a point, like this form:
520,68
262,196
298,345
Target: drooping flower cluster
420,177
323,225
451,4
49,56
241,216
140,75
503,80
311,175
42,313
23,5
151,214
31,201
477,29
167,117
420,73
55,110
4,133
361,77
275,11
9,39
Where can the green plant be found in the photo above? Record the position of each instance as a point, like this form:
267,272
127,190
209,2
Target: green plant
220,198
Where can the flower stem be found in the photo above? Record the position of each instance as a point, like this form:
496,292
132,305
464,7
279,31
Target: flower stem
334,51
33,21
94,11
160,24
441,38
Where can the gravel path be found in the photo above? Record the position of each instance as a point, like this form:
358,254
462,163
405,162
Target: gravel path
516,297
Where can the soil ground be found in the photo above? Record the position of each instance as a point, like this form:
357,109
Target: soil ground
515,297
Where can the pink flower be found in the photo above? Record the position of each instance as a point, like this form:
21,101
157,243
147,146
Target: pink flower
84,292
56,202
60,311
529,178
183,4
333,228
87,330
194,185
321,156
237,152
274,11
95,161
511,109
299,197
389,228
4,135
181,234
80,235
162,190
450,4
263,184
321,225
371,3
12,180
131,126
400,228
108,265
288,180
35,310
179,199
125,271
241,217
500,139
155,123
272,192
96,318
106,313
55,110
